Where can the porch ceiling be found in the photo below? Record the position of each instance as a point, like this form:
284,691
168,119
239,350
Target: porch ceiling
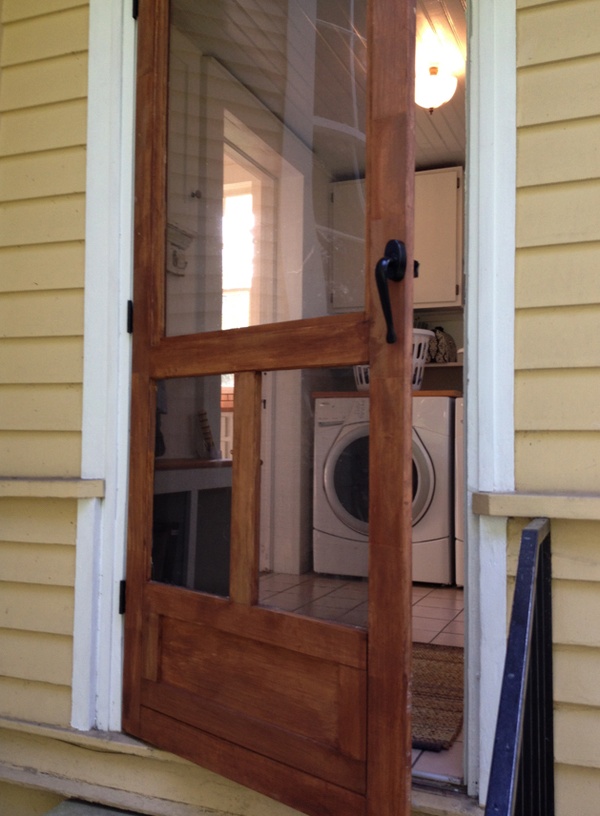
227,32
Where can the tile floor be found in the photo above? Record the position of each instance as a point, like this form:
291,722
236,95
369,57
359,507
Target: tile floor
438,617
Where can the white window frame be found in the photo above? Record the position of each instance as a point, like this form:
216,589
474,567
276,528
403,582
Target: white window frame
490,252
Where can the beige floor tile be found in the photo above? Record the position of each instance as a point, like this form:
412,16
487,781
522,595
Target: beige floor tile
442,765
440,613
454,628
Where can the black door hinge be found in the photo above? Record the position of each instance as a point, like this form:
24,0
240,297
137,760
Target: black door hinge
122,588
135,9
130,317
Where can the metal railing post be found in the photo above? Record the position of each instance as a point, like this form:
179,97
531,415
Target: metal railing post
522,772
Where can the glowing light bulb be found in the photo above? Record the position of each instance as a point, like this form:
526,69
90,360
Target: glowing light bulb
434,87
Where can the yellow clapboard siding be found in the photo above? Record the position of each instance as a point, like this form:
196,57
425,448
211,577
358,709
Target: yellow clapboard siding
41,175
558,214
51,564
40,407
20,801
42,314
576,672
36,656
32,453
21,9
55,487
557,400
558,32
45,267
36,521
557,461
575,551
35,702
557,338
558,152
36,608
122,764
580,785
48,220
522,4
49,35
546,93
575,610
576,732
41,360
558,276
50,127
44,82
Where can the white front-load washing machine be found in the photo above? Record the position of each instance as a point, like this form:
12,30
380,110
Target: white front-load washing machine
341,487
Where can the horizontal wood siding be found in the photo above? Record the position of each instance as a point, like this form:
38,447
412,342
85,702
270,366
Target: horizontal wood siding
37,565
43,113
557,358
557,353
20,801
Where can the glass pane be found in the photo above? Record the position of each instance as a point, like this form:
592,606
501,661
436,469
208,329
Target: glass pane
192,483
314,513
266,162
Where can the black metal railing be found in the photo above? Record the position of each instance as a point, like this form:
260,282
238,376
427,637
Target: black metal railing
522,772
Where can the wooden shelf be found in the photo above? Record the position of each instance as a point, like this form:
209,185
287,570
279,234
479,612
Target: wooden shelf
444,365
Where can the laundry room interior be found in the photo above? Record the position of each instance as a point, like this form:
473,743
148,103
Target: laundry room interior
266,224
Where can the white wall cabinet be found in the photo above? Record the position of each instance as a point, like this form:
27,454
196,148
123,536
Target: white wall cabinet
438,241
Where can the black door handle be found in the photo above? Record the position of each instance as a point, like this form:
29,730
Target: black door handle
391,267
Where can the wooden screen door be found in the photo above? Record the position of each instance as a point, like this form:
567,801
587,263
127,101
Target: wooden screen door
263,128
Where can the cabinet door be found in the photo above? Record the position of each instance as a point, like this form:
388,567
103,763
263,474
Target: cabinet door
438,237
438,241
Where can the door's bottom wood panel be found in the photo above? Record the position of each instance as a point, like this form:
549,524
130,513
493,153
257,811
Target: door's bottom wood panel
294,691
313,757
277,780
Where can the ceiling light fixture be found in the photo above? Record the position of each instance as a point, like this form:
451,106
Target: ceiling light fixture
434,87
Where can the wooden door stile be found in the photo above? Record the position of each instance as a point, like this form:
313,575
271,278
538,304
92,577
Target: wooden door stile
391,127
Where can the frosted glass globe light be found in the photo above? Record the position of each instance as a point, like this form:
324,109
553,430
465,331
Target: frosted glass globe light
434,88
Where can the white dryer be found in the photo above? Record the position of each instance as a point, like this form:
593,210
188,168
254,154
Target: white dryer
459,494
341,482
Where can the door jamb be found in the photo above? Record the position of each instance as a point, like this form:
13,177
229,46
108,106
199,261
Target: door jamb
101,524
489,361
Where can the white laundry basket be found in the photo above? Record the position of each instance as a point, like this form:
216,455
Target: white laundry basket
421,338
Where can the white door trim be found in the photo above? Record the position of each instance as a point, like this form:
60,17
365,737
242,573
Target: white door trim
101,525
490,263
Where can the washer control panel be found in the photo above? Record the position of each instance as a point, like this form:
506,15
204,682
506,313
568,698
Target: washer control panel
340,410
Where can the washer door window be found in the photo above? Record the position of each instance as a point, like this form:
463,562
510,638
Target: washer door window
346,478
